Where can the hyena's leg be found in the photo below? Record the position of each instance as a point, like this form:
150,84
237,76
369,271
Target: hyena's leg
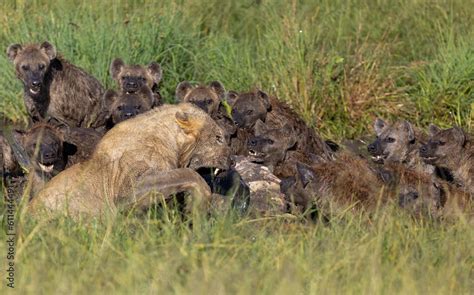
152,185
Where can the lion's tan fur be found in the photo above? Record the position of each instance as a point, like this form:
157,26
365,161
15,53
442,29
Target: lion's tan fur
154,141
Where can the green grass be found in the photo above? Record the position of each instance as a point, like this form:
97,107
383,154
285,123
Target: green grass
338,63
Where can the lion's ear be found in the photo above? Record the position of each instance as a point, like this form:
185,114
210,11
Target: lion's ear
188,123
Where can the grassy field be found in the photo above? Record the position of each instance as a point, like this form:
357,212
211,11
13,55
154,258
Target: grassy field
340,64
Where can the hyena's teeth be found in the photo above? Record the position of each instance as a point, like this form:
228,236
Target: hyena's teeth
46,168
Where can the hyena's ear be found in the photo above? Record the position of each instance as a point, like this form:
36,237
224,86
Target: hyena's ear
290,135
49,49
379,125
231,97
19,135
434,129
305,173
411,132
260,128
265,99
13,50
109,97
188,123
459,136
115,67
182,90
218,88
154,69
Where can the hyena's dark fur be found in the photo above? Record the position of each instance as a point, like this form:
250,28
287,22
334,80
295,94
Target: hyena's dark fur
131,78
55,88
451,149
249,107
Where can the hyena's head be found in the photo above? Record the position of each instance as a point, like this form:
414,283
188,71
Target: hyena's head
44,145
393,143
269,146
123,106
444,146
207,97
248,107
131,78
419,195
32,63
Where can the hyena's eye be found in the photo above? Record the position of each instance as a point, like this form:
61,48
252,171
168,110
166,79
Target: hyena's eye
270,141
389,139
208,101
138,107
120,108
25,67
440,143
41,66
249,112
219,139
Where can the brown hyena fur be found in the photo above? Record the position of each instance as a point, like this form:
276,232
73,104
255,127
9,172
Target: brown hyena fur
55,88
451,149
43,145
122,106
350,182
273,147
345,182
211,99
131,78
249,107
168,144
398,143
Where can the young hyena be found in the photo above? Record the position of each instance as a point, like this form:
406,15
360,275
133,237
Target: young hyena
55,88
451,149
131,78
209,98
398,143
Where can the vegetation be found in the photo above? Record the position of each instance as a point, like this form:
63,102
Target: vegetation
338,63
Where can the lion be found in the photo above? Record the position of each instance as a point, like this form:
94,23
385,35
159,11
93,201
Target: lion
158,151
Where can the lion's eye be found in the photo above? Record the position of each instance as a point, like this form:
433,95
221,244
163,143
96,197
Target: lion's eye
41,66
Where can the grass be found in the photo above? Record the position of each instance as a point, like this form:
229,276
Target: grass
339,64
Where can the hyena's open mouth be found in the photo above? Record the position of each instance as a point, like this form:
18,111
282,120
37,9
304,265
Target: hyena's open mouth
429,160
46,167
35,89
256,157
379,159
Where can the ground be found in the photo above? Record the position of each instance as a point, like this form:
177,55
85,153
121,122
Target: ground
339,64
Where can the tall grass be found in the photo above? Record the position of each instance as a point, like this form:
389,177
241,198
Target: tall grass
338,63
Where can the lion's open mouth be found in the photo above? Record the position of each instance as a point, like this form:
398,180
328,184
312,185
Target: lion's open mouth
46,167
